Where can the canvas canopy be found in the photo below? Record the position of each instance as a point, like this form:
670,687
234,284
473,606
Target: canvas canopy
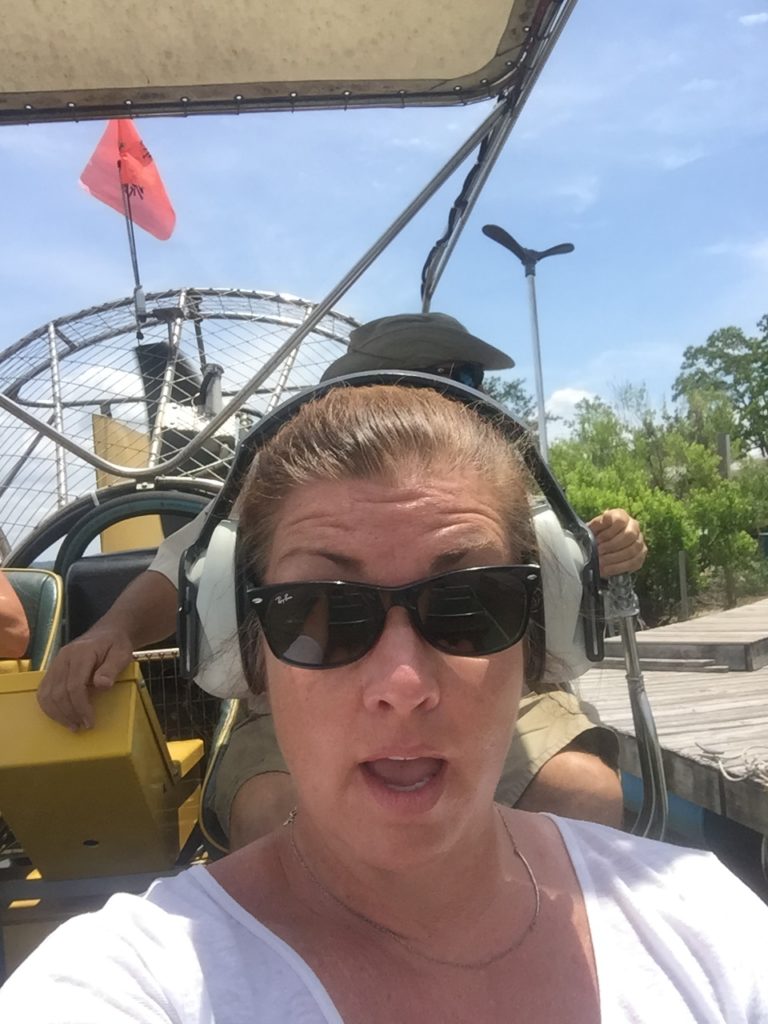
85,59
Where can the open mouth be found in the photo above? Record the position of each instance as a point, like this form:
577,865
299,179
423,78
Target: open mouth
404,774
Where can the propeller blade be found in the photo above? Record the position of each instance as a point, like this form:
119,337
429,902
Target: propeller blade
557,250
497,234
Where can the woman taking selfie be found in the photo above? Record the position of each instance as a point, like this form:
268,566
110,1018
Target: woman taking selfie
389,563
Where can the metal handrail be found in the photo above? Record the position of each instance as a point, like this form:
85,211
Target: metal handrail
622,606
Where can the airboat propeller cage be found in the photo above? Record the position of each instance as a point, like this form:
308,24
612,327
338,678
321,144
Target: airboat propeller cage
59,60
213,607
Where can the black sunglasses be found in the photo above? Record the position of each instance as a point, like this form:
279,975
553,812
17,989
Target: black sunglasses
326,624
470,374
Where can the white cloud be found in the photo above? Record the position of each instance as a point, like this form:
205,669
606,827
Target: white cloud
754,19
581,192
755,252
673,159
700,85
563,402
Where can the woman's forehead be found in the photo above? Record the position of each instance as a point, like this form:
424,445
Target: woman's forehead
372,521
435,494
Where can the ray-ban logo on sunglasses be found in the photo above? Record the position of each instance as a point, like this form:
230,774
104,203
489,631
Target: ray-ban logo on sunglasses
283,598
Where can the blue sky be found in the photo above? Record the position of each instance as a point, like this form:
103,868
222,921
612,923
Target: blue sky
645,143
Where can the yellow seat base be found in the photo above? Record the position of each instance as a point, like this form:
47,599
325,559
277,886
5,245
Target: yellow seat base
112,800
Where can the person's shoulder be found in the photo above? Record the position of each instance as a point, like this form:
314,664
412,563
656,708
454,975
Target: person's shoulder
675,921
118,964
622,849
185,951
690,882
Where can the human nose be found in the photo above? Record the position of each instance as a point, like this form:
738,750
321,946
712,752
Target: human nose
401,671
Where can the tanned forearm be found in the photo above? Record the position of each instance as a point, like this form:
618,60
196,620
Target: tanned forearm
145,611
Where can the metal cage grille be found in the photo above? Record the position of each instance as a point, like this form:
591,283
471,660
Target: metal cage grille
137,402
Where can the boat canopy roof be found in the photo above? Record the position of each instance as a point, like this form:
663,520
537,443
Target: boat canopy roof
81,60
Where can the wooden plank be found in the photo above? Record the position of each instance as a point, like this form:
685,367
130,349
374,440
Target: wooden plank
746,623
696,713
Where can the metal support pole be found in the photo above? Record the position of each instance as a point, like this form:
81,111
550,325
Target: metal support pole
465,203
58,418
529,258
19,464
621,605
542,412
685,608
443,250
277,395
174,338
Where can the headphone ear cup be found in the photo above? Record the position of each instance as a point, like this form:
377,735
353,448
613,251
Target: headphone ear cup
219,666
562,572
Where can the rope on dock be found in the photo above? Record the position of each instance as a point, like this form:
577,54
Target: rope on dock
752,764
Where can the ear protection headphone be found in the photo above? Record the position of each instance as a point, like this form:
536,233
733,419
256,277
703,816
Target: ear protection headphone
213,606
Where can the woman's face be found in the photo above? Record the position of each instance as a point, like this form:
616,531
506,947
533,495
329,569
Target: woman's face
396,754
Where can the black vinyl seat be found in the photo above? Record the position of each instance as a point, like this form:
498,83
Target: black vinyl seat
94,582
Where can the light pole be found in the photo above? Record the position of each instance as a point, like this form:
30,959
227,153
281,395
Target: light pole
621,602
529,258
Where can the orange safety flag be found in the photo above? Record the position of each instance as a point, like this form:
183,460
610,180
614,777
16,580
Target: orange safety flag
122,166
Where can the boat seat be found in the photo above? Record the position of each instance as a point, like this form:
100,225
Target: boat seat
94,582
40,593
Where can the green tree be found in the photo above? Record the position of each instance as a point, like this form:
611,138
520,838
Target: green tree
513,395
736,366
723,517
669,529
751,480
704,415
658,466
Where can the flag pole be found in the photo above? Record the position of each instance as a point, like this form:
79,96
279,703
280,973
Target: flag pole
136,191
139,303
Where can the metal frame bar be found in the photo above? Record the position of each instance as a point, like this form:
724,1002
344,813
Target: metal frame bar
282,380
18,465
465,202
174,340
116,332
622,605
58,418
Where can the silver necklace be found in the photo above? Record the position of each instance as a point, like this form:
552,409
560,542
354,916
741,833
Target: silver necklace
402,939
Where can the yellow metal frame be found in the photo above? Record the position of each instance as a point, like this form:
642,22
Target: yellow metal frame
112,800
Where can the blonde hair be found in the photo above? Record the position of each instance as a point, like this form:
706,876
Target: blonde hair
384,432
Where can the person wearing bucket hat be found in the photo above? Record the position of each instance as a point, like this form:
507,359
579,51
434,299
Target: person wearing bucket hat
561,758
430,342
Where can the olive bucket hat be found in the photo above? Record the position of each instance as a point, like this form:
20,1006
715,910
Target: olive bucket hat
414,341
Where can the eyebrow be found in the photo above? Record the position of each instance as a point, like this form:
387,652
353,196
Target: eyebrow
346,563
448,559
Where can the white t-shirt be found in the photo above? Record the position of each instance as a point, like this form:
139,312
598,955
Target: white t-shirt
168,555
677,940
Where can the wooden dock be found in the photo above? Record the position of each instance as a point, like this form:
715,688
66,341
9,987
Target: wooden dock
737,638
706,721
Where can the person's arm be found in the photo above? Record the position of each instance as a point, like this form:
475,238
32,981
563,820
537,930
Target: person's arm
144,613
620,544
14,628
